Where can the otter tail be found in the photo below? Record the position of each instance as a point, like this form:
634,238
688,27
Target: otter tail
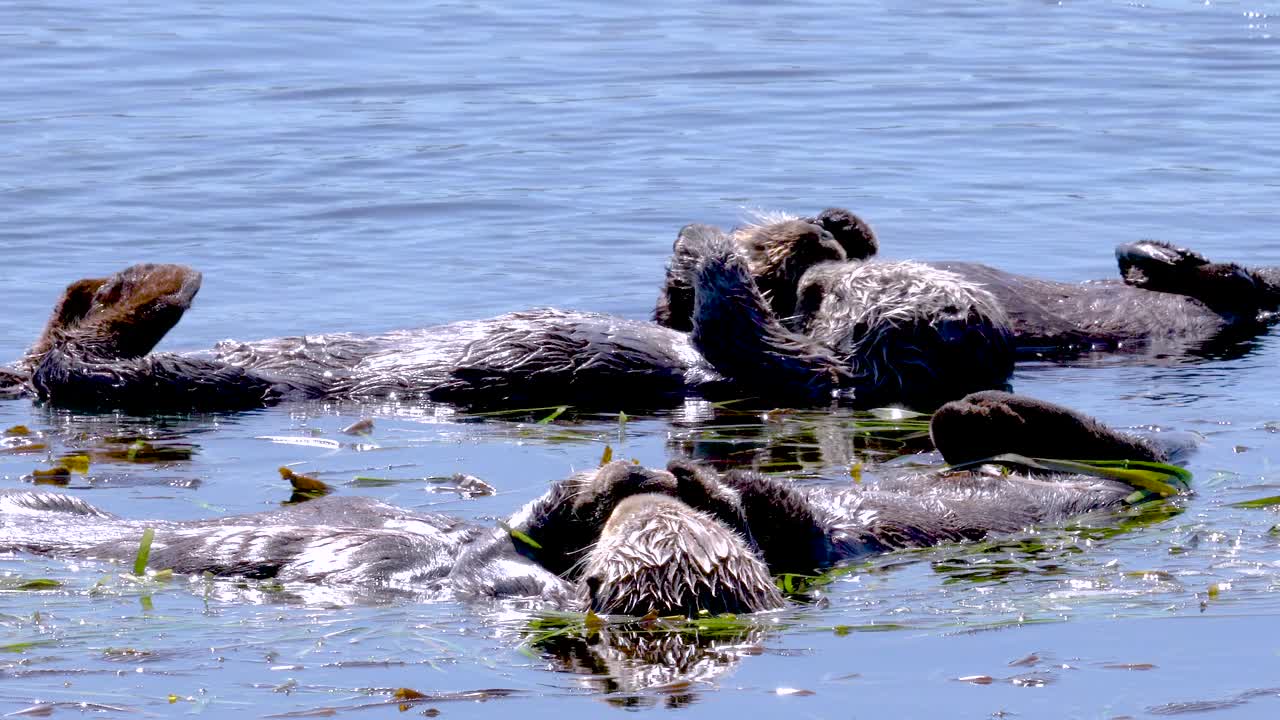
737,332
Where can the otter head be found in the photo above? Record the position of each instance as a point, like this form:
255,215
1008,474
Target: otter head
779,253
852,232
600,492
657,554
567,521
911,333
122,316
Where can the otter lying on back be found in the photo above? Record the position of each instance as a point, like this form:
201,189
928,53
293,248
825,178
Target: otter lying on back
1168,294
95,352
623,538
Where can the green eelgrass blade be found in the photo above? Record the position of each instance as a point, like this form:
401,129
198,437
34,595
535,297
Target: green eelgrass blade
144,552
1161,479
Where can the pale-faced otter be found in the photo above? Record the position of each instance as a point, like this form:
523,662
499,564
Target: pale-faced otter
1169,296
624,538
902,332
617,539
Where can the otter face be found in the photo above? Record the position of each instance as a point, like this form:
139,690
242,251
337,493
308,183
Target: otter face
596,495
656,554
779,253
911,332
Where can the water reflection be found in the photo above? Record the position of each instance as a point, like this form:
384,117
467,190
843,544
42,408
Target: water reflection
645,663
804,442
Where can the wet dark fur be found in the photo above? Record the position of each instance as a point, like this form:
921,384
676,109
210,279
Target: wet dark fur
738,349
95,353
621,538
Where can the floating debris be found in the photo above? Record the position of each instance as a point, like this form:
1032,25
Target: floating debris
1258,503
363,426
305,484
468,486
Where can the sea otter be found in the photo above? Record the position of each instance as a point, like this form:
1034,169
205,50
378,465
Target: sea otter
778,249
95,352
623,538
1169,298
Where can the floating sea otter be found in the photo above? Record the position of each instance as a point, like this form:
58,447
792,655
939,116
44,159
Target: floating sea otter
931,348
1168,296
623,538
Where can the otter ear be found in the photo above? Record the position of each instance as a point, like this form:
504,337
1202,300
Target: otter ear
137,306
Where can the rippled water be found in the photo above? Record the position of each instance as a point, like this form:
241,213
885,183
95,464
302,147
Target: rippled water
380,165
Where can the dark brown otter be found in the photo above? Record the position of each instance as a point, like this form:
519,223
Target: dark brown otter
95,353
623,538
527,358
778,249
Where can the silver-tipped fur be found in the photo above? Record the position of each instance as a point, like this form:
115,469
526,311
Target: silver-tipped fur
657,553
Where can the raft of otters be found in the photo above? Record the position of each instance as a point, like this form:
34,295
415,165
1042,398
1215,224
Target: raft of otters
624,539
791,311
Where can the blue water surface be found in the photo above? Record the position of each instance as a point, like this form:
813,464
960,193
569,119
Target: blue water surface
366,166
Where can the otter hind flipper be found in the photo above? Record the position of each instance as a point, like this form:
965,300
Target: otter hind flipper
990,423
72,306
1227,288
